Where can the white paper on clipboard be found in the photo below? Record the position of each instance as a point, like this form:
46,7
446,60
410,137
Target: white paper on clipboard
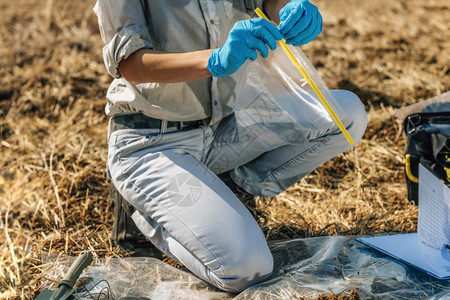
434,221
428,249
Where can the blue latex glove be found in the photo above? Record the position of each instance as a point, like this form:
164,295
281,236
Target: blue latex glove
300,22
243,40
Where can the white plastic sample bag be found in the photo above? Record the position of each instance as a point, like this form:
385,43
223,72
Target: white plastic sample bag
276,95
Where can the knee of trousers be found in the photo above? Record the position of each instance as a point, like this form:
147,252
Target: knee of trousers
245,269
356,120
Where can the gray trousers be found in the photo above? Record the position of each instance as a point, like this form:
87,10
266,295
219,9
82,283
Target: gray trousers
186,211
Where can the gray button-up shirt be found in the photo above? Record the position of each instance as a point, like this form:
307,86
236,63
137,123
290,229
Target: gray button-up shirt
170,26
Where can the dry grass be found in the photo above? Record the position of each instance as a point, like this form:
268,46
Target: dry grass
53,186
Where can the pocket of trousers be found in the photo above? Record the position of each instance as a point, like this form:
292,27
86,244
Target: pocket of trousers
129,154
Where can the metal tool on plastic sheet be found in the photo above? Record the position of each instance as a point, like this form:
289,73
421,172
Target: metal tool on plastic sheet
65,287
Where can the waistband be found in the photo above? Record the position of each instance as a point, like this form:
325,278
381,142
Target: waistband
141,121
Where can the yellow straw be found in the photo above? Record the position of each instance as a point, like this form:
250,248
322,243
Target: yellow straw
311,83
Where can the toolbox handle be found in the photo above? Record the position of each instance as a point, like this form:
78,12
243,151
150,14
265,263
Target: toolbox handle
410,175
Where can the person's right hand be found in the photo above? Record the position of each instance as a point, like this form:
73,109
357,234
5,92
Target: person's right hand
243,40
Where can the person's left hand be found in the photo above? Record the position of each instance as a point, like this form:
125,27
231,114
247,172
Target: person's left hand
300,22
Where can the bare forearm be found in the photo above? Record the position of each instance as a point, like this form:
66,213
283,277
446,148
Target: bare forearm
147,65
272,7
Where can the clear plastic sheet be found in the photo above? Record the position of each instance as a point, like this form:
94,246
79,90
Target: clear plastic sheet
275,92
303,268
435,104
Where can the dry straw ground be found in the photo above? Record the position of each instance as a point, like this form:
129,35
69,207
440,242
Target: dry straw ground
53,186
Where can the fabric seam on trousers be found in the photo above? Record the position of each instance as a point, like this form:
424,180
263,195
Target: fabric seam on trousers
319,143
247,183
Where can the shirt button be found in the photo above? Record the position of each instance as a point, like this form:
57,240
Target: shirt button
215,102
211,21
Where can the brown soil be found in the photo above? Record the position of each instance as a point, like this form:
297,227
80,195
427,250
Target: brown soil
53,185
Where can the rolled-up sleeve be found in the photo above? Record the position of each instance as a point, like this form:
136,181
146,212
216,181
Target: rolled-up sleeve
123,29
